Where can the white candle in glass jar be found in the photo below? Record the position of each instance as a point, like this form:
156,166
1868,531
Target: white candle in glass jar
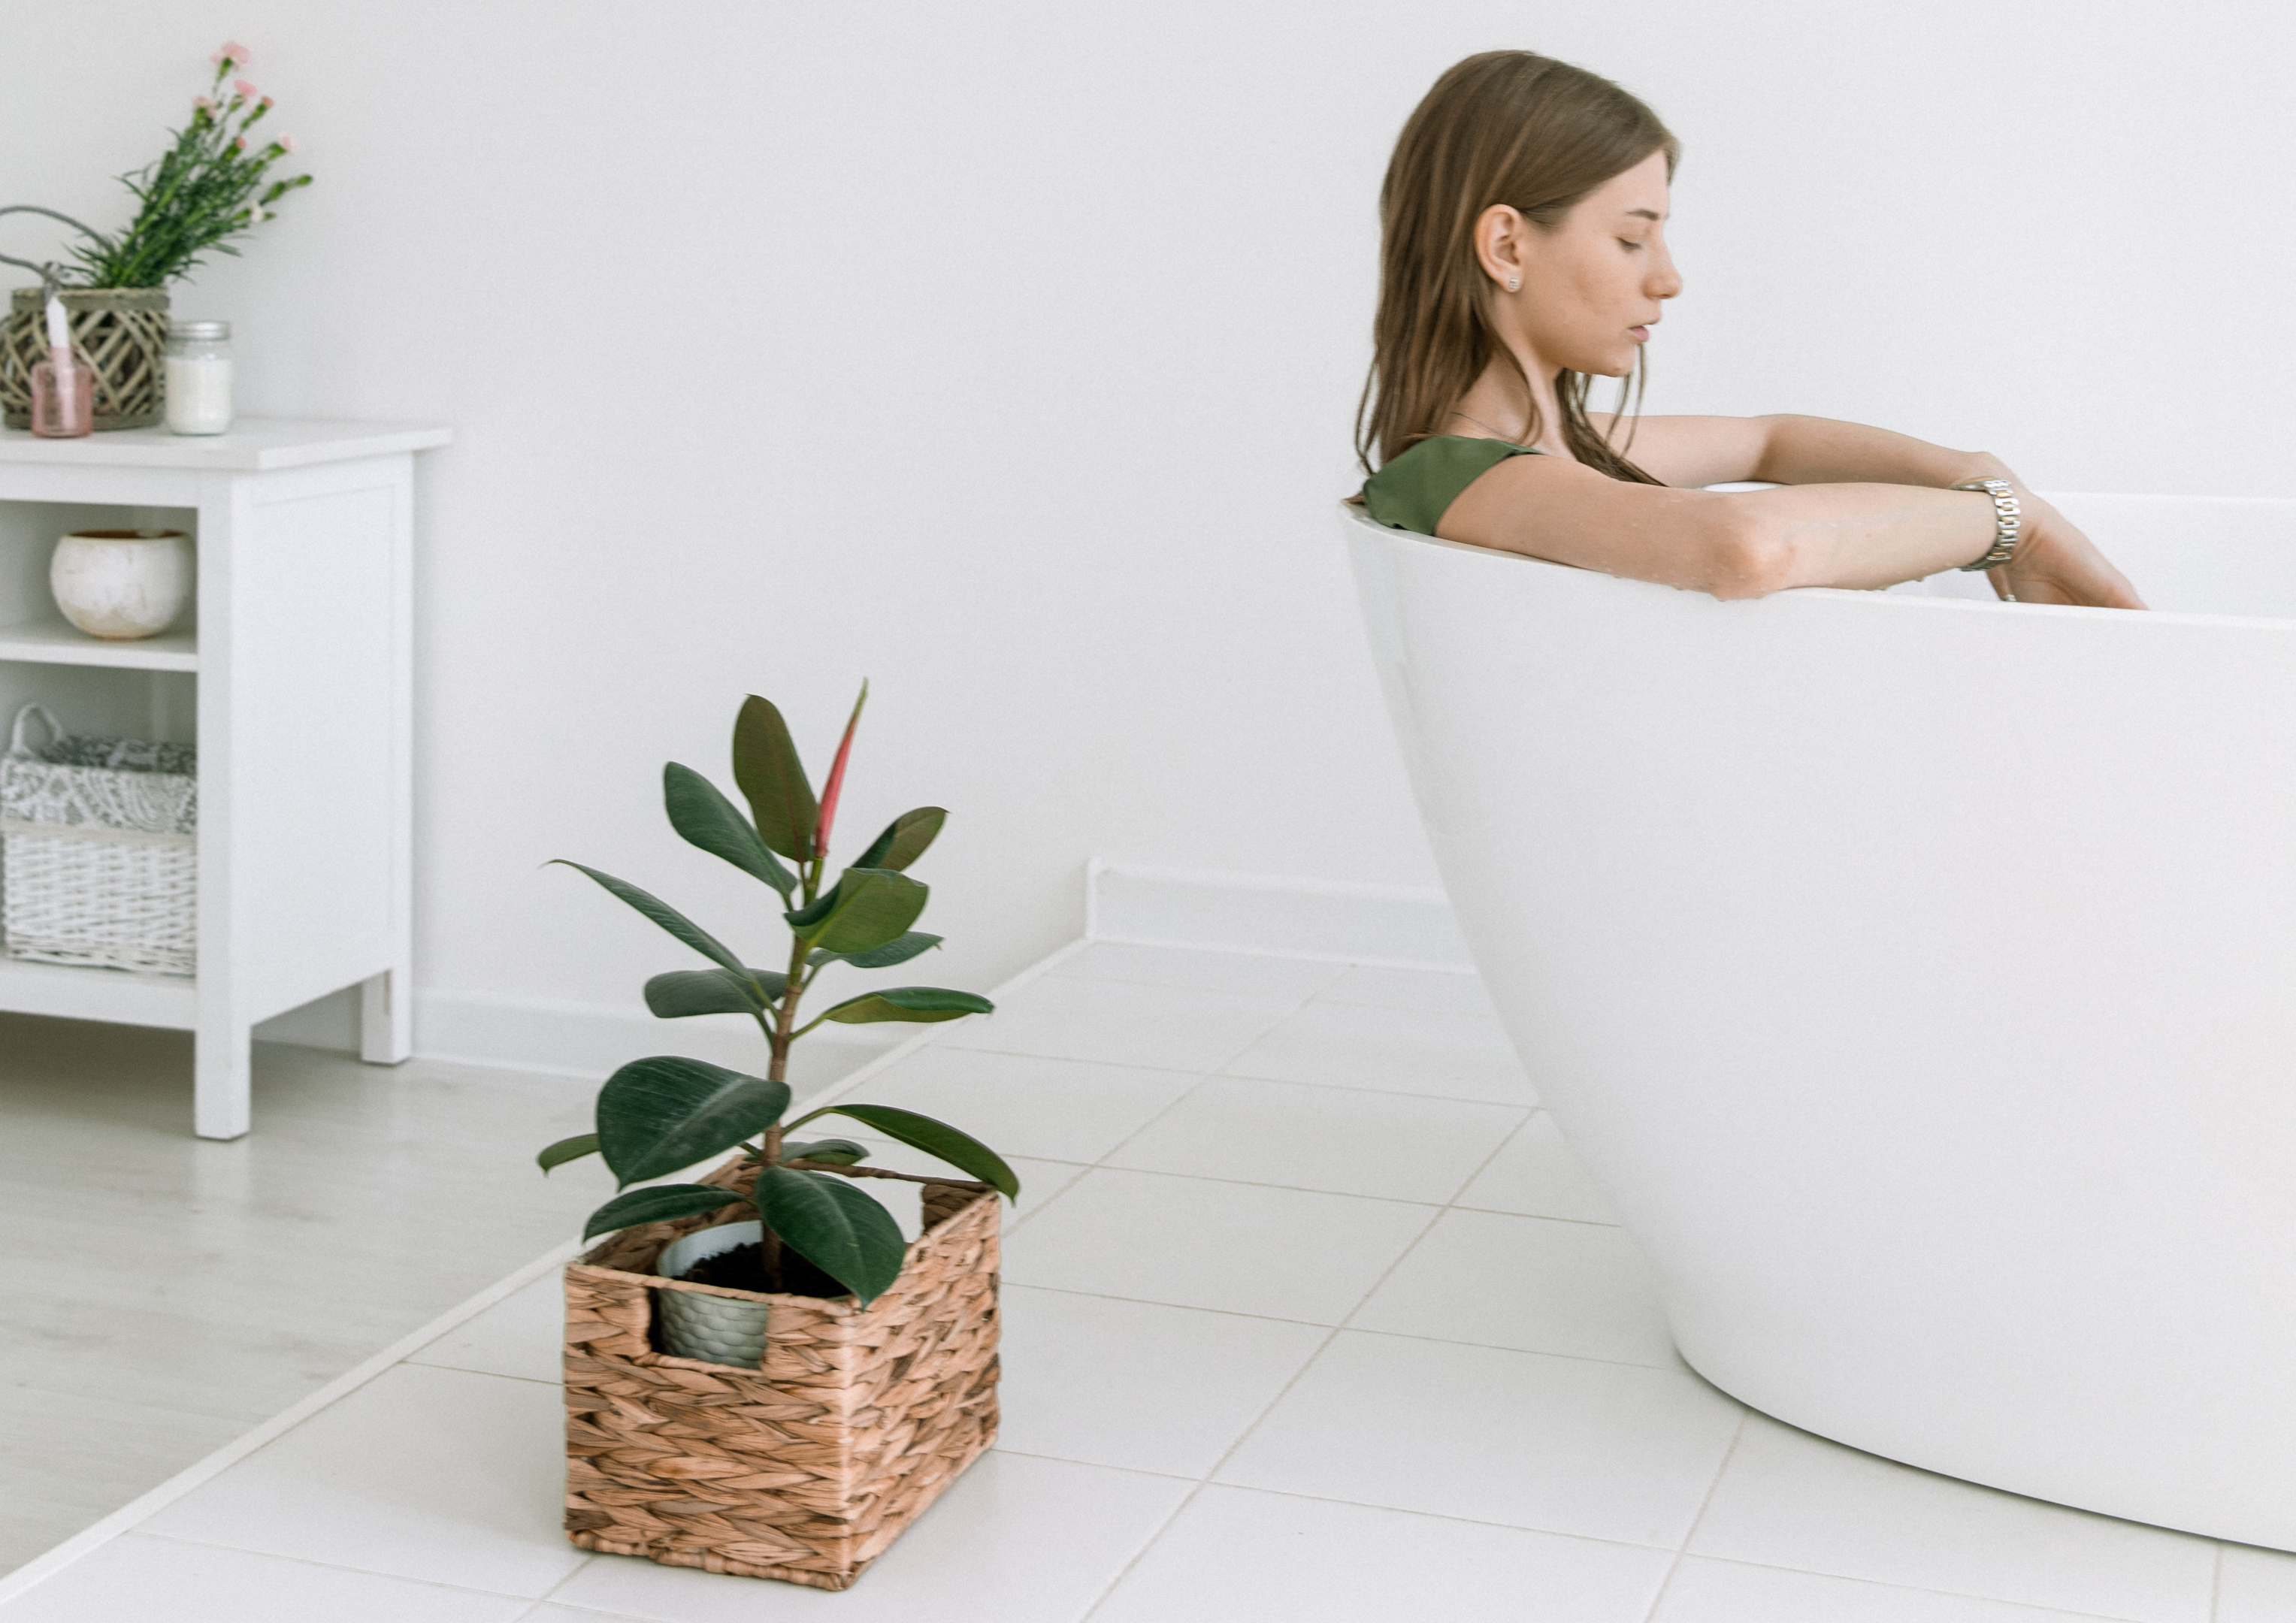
199,377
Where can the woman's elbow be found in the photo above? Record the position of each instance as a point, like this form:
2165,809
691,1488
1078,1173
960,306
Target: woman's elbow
1746,558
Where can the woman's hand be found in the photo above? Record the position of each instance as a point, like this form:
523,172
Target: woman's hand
2056,563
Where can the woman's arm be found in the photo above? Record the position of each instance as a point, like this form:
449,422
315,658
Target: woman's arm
1748,543
2055,562
1789,450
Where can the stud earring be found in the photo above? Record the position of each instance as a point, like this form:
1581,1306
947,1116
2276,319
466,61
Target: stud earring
1514,284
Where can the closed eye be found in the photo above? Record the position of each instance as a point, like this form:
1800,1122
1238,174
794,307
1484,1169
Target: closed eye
1623,243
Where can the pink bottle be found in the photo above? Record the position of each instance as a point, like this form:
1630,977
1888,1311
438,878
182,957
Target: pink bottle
63,386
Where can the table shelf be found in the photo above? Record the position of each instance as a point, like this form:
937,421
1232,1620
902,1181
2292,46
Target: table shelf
70,992
55,641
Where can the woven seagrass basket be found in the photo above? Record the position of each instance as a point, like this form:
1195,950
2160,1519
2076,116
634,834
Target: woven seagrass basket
806,1468
99,862
121,333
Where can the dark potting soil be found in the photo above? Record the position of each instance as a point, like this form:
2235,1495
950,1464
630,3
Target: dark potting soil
743,1268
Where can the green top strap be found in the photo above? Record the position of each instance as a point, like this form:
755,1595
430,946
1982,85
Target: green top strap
1415,491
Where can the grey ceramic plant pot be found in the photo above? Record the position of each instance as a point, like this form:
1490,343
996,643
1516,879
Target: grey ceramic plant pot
720,1329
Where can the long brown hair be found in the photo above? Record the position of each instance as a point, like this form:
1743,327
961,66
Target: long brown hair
1506,126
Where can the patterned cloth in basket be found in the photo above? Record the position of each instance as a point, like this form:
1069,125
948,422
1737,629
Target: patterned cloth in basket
97,855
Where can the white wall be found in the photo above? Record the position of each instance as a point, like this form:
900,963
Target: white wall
1005,354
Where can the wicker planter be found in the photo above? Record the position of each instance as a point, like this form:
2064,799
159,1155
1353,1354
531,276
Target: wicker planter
122,334
805,1469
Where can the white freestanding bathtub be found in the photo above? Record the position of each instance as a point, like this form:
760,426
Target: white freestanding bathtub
1918,974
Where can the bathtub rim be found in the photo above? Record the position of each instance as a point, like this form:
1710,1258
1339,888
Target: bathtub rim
1354,511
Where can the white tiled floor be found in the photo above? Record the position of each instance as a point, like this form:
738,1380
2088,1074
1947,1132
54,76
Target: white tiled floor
1310,1314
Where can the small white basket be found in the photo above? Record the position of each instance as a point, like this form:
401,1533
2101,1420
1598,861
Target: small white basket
97,850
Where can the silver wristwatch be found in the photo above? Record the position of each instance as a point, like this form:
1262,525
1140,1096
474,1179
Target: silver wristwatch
2008,519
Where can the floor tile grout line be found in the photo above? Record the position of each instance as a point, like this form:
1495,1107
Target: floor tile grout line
1237,1183
1532,1352
1956,1594
1388,1093
1179,1098
1245,1434
1392,1335
1021,1220
1498,1150
589,1559
1349,1195
1367,1504
336,1566
1068,1459
464,1369
1220,1073
1344,1195
1657,1597
1540,1216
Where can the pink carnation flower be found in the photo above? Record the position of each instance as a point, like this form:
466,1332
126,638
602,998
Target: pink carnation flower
204,104
265,103
286,143
239,143
234,53
243,87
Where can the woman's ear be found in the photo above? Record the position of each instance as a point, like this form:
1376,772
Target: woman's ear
1501,238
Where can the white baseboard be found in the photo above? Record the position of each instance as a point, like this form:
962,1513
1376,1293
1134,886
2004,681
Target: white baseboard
1394,926
576,1039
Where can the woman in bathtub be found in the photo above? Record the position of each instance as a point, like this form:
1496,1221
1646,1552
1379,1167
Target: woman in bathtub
1524,254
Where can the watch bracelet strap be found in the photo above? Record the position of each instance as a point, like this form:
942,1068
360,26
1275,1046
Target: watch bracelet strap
2008,520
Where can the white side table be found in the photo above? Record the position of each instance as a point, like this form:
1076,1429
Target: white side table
296,684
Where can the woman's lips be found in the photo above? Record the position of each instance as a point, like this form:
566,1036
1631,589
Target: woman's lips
1641,334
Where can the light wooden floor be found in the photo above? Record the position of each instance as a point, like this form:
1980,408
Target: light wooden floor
160,1294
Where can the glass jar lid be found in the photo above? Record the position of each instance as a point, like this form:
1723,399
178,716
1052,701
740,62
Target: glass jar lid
197,330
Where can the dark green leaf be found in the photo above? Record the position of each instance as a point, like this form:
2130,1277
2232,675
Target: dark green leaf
658,1204
771,778
904,839
705,817
657,1115
683,992
873,906
921,1004
834,1227
803,918
837,1151
669,917
568,1149
936,1138
900,949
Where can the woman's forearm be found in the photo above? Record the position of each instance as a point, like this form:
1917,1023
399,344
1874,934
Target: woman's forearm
1863,534
1820,451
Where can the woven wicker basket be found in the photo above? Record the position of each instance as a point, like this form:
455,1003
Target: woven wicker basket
121,333
805,1469
98,862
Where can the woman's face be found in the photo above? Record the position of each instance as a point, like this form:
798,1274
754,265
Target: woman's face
1593,285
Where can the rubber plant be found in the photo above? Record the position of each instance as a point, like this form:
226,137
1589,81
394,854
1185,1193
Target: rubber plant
660,1115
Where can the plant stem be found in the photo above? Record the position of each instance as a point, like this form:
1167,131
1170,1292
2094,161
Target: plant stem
792,989
778,1037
